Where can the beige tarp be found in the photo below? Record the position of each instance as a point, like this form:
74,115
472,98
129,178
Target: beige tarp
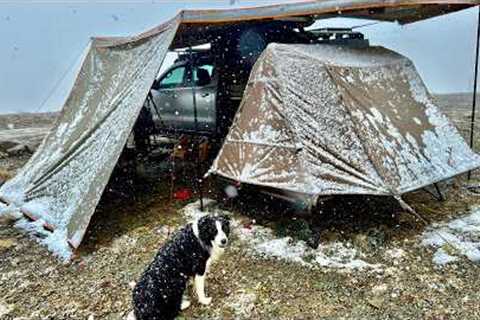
61,185
324,119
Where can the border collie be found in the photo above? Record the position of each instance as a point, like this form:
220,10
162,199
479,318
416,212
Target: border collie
159,294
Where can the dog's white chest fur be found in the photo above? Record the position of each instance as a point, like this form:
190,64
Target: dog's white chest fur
217,249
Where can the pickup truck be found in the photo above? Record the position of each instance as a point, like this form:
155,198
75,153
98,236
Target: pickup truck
200,93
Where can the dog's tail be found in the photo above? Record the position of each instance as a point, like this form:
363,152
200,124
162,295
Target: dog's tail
131,316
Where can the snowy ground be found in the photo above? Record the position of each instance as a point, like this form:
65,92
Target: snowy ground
455,239
26,129
260,241
31,137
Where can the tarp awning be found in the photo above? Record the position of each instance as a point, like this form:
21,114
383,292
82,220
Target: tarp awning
61,184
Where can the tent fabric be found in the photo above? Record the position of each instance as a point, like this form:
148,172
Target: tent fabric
194,24
325,120
327,7
62,183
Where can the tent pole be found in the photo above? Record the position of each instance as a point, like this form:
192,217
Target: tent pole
172,173
196,144
472,125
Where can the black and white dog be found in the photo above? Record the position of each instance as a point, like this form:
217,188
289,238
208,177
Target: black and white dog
159,294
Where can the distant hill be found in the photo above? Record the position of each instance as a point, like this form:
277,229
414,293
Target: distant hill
456,100
27,120
451,103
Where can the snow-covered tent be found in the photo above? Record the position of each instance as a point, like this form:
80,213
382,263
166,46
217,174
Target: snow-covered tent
324,120
62,183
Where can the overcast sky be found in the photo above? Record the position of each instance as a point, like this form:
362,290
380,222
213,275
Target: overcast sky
42,42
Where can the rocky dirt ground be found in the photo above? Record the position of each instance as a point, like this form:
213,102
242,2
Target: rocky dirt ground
371,262
20,134
398,279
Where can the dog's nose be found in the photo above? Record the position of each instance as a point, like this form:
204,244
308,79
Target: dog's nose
223,241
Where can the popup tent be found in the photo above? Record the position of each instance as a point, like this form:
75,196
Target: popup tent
324,120
58,189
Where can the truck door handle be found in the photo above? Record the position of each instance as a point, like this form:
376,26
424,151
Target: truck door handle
203,95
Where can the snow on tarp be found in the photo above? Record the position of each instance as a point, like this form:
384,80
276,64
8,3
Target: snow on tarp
325,119
63,181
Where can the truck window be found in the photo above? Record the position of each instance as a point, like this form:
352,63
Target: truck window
203,74
173,79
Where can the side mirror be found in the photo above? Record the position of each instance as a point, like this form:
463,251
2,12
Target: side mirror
203,77
156,84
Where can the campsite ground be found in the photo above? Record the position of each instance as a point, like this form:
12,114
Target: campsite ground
374,261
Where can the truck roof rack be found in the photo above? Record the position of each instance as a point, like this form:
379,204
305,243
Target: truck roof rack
195,54
336,33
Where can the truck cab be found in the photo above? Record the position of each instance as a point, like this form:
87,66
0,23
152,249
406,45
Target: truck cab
183,98
201,92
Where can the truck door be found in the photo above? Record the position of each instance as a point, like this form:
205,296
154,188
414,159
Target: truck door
204,80
172,97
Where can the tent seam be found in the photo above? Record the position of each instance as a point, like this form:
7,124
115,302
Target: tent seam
355,124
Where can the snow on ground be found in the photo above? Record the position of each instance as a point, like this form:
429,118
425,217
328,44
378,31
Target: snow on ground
31,137
454,239
55,241
261,241
242,304
192,210
336,254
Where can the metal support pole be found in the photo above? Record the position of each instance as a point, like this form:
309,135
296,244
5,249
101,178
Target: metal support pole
474,102
439,192
196,146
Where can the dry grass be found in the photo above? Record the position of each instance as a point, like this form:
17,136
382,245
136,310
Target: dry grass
5,175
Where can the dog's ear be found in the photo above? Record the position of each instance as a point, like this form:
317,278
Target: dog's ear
207,229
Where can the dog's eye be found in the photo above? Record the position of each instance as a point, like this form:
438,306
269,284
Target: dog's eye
226,228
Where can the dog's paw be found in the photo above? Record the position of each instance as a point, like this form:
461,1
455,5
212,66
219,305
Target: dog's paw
185,304
131,316
205,301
